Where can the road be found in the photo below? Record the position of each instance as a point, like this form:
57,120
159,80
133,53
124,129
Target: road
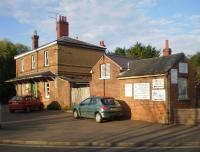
4,148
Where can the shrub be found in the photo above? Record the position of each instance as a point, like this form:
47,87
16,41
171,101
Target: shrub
54,105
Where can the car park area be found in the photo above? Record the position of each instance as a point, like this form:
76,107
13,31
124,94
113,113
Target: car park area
60,126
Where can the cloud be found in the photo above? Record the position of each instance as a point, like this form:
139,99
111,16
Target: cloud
118,23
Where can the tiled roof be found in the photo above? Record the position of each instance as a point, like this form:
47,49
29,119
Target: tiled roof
152,66
72,41
122,61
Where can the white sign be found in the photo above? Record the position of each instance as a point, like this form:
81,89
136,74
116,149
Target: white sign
128,90
141,91
174,76
158,95
183,67
158,83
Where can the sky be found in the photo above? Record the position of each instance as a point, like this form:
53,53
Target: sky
120,23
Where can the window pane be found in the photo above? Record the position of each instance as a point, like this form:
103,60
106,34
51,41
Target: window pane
108,70
103,70
182,88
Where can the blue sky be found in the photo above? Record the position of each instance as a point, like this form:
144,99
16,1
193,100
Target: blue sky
120,23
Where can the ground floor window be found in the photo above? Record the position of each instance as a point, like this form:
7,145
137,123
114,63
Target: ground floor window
47,89
182,88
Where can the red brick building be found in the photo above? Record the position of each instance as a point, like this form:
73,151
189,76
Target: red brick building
152,88
51,71
104,75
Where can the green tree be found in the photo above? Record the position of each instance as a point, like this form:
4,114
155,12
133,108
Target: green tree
195,61
120,51
138,50
7,66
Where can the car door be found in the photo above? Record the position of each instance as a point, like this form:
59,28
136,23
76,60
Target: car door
83,108
92,108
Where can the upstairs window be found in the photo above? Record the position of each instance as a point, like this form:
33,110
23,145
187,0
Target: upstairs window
33,61
182,88
22,65
105,71
47,89
46,58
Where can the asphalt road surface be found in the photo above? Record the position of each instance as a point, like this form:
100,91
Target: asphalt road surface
13,148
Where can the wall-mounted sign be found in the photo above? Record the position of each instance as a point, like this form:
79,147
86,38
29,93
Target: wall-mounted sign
158,95
158,83
183,67
142,91
174,76
128,90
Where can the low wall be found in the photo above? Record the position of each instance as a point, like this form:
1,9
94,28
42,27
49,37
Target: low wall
187,116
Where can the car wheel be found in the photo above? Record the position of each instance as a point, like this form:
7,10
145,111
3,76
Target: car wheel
98,118
75,113
28,109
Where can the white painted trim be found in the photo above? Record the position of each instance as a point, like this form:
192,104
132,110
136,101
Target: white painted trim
29,52
143,76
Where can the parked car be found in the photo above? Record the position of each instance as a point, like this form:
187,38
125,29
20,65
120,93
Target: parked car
26,103
99,108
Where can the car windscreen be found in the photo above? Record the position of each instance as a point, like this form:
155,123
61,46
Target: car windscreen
16,98
109,101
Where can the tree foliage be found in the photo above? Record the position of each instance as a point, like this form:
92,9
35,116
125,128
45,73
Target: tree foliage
7,66
137,50
195,61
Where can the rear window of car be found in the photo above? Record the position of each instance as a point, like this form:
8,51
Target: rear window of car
109,101
16,98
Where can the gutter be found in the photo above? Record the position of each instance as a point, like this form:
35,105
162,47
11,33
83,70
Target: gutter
143,76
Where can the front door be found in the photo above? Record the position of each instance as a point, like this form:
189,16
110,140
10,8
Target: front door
34,89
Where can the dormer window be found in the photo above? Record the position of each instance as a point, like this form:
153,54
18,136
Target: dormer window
105,71
22,65
33,61
46,58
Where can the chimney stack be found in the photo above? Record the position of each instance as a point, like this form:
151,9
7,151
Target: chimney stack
102,44
35,38
62,26
167,51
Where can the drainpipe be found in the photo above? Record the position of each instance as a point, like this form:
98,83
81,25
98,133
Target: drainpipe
167,101
104,81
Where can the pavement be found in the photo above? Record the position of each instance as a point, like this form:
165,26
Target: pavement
60,129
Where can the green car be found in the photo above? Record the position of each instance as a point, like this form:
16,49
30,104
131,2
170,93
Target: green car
99,108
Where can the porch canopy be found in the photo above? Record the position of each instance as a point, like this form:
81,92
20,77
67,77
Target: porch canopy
36,77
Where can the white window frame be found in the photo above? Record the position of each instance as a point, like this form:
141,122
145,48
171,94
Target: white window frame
22,65
47,89
128,90
46,58
105,71
33,61
180,83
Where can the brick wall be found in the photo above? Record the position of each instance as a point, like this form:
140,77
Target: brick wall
107,87
175,103
39,62
146,110
77,61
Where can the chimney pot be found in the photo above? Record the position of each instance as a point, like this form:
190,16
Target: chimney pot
62,27
35,39
167,51
102,44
